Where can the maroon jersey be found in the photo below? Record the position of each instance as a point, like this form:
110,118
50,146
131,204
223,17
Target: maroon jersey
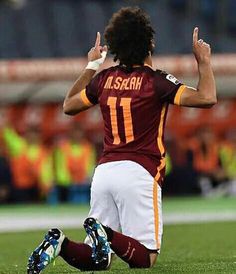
134,107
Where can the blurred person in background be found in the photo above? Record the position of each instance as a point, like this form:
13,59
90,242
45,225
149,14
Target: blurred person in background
74,163
228,161
168,164
182,178
203,153
31,163
5,177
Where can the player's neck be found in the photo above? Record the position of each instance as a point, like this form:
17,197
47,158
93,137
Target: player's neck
148,61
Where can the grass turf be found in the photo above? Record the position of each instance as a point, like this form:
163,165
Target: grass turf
190,248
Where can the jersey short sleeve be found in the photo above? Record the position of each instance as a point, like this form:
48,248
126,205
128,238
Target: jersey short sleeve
168,88
91,90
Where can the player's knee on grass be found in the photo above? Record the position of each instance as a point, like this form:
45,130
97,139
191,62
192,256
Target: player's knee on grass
86,266
148,264
79,255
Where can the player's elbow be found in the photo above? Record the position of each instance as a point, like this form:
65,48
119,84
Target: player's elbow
72,107
67,109
206,101
69,112
210,102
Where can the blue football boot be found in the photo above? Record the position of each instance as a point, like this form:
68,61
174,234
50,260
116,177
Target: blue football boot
101,251
46,252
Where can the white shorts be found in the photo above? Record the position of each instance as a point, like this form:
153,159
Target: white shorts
125,197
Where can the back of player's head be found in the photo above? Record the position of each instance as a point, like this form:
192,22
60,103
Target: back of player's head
129,36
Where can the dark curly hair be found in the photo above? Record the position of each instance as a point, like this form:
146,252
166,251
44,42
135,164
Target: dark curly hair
129,36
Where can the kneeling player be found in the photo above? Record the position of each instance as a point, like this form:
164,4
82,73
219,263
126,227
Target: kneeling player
126,187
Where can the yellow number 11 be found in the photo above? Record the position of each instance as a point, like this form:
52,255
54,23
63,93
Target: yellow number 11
125,103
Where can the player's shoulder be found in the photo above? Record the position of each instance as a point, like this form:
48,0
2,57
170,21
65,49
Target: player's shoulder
156,73
105,72
109,69
160,72
165,76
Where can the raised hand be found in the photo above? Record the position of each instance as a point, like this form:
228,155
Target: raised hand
96,52
201,50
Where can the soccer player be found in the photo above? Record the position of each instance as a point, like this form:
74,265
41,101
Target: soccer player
126,187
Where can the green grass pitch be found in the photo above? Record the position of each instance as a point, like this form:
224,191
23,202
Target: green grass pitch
189,248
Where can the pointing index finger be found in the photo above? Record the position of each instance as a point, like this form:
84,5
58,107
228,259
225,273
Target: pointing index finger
98,40
195,35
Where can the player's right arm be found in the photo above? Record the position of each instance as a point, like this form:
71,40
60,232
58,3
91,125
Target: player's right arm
205,94
76,99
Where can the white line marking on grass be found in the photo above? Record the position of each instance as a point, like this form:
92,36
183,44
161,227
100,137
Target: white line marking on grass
27,222
189,218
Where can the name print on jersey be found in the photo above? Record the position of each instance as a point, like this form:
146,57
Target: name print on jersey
119,83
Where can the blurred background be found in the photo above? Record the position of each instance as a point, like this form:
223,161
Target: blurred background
47,157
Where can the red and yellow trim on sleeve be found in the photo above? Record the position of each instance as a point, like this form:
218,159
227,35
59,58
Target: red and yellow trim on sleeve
84,98
179,94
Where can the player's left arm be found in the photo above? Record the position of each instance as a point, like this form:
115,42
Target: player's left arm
205,94
76,99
